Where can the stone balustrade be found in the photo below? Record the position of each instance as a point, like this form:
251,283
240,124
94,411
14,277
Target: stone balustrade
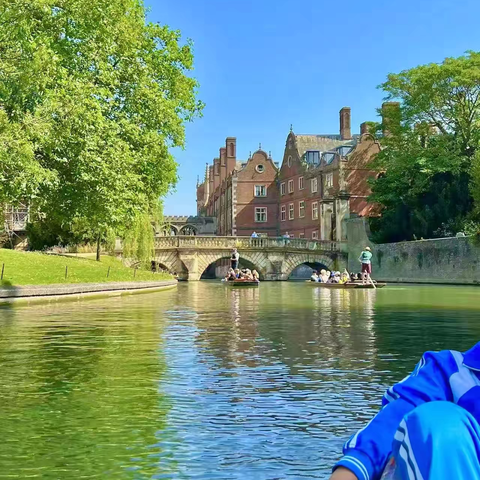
247,243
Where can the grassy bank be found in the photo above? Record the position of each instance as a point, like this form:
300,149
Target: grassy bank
32,268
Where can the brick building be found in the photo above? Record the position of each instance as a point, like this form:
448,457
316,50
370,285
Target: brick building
242,195
323,180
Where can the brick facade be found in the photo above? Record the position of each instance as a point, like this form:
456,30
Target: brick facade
242,196
323,180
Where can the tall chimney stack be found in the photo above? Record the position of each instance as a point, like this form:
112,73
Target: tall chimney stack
345,129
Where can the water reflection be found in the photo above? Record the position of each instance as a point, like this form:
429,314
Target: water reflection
210,382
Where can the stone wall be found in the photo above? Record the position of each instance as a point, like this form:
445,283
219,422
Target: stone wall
443,260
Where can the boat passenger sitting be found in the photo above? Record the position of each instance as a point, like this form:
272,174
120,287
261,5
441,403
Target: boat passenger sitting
344,278
324,276
255,275
331,276
230,275
237,273
428,427
314,276
335,277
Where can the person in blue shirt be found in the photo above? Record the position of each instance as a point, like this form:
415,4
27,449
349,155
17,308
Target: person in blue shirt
428,427
366,261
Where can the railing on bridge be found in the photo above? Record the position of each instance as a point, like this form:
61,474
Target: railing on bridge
245,243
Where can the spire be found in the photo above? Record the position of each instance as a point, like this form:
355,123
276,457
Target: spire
259,146
198,180
291,128
270,154
206,190
250,154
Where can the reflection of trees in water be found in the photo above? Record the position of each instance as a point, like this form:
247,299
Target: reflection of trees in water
79,395
405,332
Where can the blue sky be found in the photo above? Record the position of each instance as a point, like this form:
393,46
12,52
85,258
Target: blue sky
265,64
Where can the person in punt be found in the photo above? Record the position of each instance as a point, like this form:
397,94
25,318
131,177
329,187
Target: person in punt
428,427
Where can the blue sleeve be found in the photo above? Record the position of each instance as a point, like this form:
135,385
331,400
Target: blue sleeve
367,452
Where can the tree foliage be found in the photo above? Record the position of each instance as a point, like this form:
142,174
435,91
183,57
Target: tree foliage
91,100
428,152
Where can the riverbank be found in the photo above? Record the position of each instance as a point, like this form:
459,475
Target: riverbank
34,268
55,293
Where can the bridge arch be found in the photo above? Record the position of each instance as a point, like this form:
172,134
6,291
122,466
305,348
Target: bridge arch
250,261
171,262
188,230
292,261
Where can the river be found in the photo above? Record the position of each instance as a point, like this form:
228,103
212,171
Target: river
207,382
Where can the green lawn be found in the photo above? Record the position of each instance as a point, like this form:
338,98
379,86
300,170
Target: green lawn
32,268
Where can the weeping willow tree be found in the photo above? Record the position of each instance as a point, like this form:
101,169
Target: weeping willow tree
139,238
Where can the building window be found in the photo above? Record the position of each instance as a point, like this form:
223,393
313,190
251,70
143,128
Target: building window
261,214
260,168
301,208
260,191
314,210
283,213
291,211
232,150
289,161
312,157
282,188
315,235
290,186
302,235
301,183
314,185
329,180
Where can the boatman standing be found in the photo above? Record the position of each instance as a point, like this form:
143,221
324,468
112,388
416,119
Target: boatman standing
366,260
234,259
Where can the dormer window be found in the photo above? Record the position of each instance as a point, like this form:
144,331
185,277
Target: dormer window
328,157
345,150
312,157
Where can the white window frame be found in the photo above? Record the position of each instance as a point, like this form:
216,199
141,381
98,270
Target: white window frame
301,183
282,188
314,211
291,211
291,186
315,235
314,185
257,211
289,161
260,186
283,213
301,235
301,209
329,180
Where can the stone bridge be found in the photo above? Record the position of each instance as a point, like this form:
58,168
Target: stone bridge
273,258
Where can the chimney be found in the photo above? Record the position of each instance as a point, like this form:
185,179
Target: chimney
364,128
345,130
223,164
231,148
391,117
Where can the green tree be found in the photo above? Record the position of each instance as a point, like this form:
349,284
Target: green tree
91,100
428,152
